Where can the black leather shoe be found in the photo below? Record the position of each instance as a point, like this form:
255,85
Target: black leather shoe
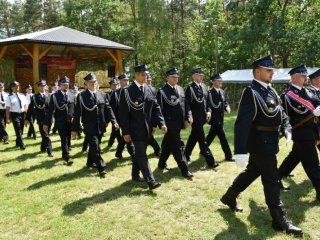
165,168
280,222
230,199
230,159
283,187
102,173
154,185
22,147
138,179
215,165
188,175
50,155
119,156
69,161
93,165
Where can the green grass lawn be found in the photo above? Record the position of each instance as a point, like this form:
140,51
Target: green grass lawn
41,198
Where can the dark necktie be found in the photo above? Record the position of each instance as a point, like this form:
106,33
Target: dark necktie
175,91
2,99
141,89
19,101
94,97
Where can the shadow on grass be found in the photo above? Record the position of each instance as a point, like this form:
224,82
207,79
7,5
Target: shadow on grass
22,157
127,188
43,165
83,172
296,201
260,224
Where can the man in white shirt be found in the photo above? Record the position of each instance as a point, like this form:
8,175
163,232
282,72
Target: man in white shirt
3,132
31,131
16,107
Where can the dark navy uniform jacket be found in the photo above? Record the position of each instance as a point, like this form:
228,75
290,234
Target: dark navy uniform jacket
61,108
218,104
173,106
38,106
138,111
94,113
196,99
297,112
260,114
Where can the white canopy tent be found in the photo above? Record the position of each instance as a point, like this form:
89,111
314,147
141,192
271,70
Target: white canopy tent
244,76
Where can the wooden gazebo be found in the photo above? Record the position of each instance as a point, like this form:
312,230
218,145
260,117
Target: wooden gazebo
56,50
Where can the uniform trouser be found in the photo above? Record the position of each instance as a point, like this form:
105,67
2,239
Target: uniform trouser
32,131
197,135
122,143
85,144
140,161
154,144
54,129
217,130
3,132
18,124
264,165
113,135
306,153
45,139
171,143
94,155
65,137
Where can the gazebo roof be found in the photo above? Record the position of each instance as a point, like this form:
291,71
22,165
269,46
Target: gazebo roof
65,36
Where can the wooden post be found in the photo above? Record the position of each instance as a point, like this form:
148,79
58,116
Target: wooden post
118,63
3,51
36,47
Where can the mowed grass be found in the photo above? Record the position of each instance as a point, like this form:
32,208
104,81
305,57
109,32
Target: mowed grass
42,198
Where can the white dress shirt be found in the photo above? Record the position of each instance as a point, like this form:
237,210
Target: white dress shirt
3,104
12,102
28,97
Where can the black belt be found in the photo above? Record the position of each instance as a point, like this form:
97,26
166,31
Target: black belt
267,128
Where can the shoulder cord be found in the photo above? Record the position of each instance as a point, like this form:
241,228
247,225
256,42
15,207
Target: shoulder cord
288,100
193,95
62,108
85,107
212,103
131,104
35,103
254,101
264,107
173,104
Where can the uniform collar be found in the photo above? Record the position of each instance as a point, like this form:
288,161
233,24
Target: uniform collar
173,87
138,84
265,85
297,87
198,84
217,89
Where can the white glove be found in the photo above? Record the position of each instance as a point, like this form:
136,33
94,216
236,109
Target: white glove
208,116
288,136
316,112
228,109
241,159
